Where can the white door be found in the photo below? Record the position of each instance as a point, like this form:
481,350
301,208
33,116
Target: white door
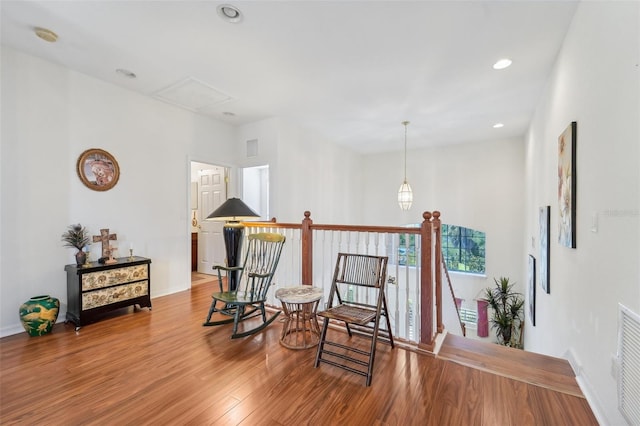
212,193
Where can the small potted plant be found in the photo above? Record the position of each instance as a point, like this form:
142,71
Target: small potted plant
77,236
507,317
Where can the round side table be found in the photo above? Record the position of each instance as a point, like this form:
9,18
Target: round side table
300,329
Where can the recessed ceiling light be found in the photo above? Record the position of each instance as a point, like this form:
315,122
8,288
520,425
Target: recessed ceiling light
46,35
126,73
502,64
498,125
229,13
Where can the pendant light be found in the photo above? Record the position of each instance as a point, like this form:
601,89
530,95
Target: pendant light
405,194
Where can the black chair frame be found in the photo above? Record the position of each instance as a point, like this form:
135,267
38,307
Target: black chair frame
254,279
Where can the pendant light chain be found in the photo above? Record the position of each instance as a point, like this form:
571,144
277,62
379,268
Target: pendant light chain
405,123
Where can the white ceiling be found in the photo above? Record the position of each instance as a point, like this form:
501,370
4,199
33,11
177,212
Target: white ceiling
351,70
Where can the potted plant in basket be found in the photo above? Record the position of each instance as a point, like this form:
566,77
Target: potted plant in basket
77,236
507,317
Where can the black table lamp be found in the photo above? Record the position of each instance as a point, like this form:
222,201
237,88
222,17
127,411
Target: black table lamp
232,212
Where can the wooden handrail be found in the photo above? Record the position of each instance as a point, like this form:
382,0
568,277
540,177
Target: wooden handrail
325,227
430,272
453,296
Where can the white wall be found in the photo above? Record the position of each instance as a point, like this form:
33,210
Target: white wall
50,115
307,172
319,176
265,132
476,185
596,82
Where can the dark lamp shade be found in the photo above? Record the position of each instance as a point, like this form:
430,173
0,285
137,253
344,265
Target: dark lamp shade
233,210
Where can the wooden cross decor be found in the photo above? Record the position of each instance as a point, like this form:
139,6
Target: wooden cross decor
104,238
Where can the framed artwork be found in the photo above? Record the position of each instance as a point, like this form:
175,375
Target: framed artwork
567,186
98,169
545,246
532,289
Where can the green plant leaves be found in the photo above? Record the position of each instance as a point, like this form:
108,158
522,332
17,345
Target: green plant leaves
507,312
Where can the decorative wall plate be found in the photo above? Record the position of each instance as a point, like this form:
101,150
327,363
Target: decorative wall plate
98,169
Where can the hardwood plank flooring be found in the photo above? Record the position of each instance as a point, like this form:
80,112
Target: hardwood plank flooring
200,278
533,368
162,367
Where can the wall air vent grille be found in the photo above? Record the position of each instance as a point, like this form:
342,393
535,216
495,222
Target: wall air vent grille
629,359
252,148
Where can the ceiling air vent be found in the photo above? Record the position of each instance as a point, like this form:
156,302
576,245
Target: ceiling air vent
629,365
192,94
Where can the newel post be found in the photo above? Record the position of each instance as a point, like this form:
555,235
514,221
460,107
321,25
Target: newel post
426,284
307,249
437,230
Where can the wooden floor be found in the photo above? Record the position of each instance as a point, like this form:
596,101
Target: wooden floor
162,367
200,278
536,369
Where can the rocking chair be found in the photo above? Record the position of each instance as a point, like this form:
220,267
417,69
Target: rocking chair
254,279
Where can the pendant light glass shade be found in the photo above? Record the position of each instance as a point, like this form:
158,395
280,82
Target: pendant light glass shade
405,194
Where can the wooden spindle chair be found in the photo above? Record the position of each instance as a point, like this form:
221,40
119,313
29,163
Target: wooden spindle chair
255,275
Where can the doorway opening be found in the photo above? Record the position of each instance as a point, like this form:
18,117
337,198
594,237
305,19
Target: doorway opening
208,187
255,189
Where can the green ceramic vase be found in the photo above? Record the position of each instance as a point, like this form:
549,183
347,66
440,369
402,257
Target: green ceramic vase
39,314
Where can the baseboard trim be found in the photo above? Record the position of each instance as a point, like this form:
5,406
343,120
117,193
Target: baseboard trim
590,396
